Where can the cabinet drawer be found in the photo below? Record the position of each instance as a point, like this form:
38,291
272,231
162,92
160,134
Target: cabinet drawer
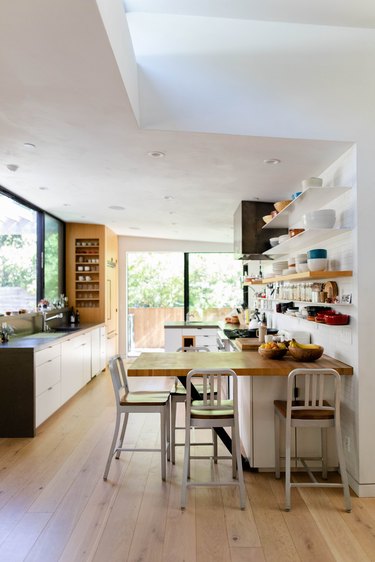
205,340
47,403
47,375
199,331
47,354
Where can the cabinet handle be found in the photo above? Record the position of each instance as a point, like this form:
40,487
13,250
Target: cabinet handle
50,388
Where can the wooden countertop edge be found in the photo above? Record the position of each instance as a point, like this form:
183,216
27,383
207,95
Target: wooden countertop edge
267,367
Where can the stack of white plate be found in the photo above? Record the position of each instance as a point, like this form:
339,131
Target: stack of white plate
278,267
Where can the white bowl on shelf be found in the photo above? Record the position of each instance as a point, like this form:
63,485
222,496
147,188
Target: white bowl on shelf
301,258
283,238
274,241
312,182
325,218
302,267
317,264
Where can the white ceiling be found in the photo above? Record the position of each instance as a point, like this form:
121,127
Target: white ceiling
217,86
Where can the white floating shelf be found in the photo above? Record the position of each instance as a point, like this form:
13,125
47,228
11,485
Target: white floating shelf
312,199
304,239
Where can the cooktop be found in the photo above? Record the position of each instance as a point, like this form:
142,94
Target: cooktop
245,333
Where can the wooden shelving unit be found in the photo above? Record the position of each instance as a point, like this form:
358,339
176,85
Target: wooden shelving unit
87,281
308,276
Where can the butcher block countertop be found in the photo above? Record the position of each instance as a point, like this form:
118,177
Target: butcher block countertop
245,363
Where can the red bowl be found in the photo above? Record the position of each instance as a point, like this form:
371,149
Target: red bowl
337,319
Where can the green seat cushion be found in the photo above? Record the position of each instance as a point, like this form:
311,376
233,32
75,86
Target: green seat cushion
214,413
144,398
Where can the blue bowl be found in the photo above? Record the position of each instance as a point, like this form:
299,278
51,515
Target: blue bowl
316,254
296,194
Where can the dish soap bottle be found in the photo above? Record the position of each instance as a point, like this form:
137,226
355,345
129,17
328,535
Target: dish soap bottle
262,329
72,317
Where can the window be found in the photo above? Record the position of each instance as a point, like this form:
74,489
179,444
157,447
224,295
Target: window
214,285
25,232
53,258
18,256
164,287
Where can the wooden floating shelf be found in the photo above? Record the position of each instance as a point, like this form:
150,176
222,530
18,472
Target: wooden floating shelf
307,276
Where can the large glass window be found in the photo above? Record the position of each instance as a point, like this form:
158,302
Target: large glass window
164,287
214,286
53,258
18,256
26,234
155,296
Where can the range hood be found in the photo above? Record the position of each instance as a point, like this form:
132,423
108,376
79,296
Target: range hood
250,240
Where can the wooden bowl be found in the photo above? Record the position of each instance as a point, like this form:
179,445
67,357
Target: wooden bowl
267,218
306,355
280,205
272,353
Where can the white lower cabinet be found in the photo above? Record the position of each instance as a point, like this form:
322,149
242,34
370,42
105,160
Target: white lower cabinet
103,347
95,352
184,337
62,369
72,367
47,382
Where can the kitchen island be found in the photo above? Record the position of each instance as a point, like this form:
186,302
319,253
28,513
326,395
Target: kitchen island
260,382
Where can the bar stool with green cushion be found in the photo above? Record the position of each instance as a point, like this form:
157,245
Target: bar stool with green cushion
178,394
311,410
136,402
213,411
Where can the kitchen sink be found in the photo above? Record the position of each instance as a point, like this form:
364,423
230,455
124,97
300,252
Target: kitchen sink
41,336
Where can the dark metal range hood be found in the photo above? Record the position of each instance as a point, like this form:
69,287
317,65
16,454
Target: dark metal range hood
250,241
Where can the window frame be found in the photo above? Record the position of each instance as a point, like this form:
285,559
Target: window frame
40,241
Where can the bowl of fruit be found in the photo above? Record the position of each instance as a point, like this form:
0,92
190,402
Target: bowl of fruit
306,352
272,350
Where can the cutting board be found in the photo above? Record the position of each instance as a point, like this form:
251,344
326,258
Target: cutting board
247,344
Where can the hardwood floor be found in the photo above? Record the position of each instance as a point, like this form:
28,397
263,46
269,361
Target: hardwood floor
55,506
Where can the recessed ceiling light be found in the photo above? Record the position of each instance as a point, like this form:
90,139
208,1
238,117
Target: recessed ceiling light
116,207
272,161
43,188
173,223
29,145
168,197
156,154
12,167
134,228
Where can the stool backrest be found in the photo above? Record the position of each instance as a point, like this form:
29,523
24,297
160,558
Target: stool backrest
212,395
312,390
119,376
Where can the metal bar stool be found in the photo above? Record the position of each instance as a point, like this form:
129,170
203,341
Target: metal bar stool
142,402
312,410
179,395
213,411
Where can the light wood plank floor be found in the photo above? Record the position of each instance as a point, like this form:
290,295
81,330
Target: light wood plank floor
55,506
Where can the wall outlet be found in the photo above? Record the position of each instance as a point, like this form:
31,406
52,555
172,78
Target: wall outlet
347,443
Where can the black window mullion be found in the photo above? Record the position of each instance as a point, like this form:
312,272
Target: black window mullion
40,257
186,285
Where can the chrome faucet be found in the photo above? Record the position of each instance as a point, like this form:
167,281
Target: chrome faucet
189,317
45,327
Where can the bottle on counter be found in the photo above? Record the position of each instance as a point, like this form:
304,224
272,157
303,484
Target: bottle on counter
262,328
77,317
72,316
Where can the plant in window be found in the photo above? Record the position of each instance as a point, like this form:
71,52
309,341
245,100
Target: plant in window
6,331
